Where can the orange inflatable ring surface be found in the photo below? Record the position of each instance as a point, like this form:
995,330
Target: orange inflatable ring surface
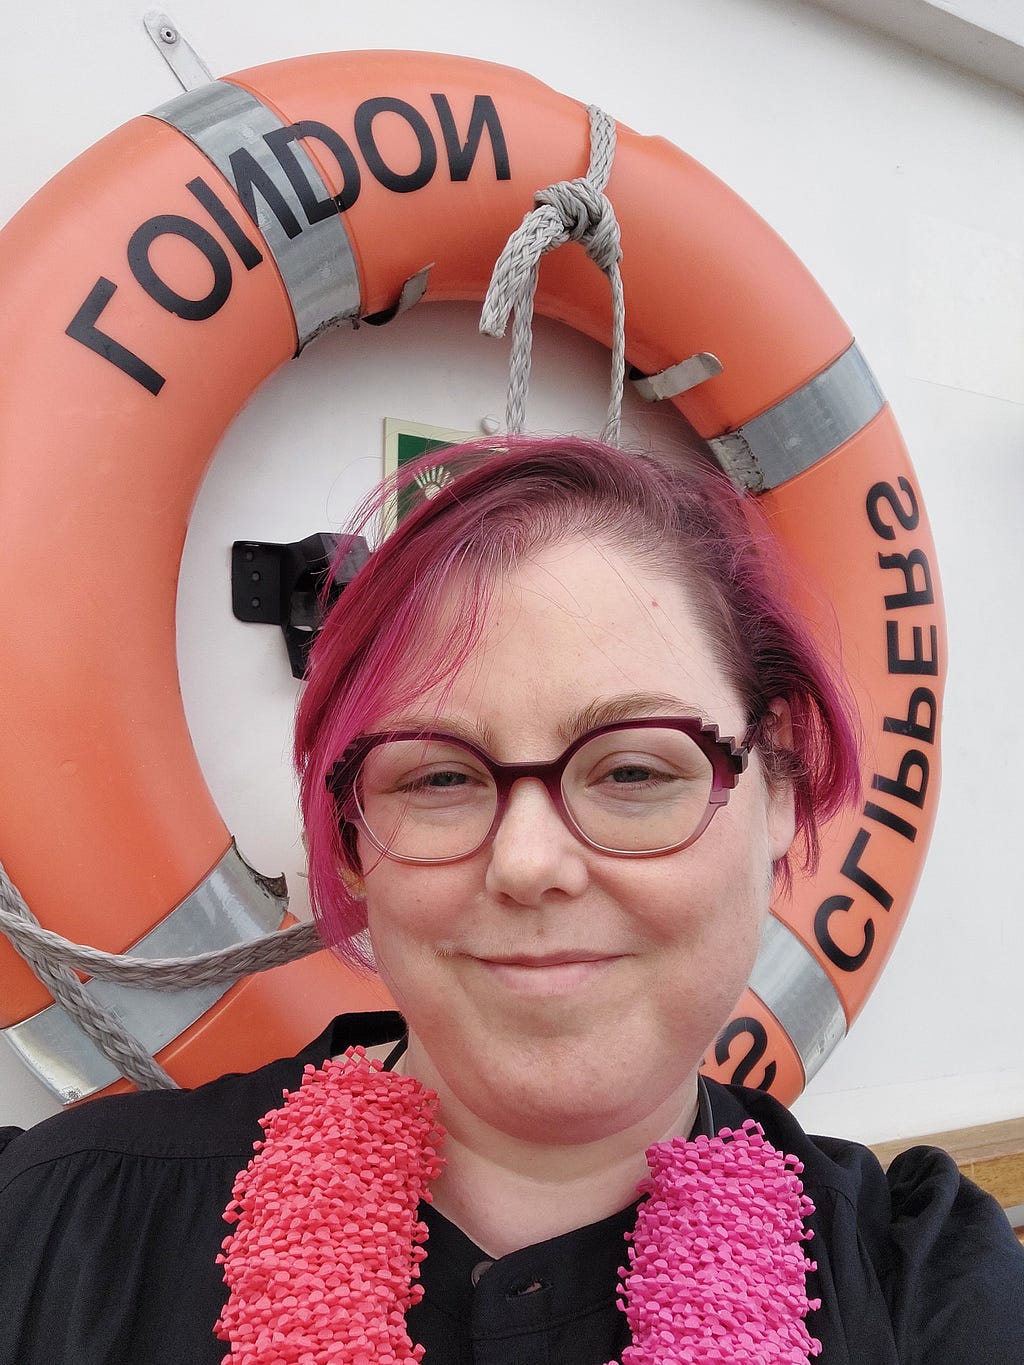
164,274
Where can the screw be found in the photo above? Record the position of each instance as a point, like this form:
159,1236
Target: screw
254,602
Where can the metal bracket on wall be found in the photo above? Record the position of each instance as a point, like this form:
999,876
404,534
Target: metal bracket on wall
177,52
282,585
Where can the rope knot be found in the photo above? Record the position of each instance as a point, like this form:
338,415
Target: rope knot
568,211
586,216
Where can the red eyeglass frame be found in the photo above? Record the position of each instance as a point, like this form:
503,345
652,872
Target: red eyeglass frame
727,758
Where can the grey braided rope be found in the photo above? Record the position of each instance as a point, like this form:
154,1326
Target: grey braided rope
54,960
569,211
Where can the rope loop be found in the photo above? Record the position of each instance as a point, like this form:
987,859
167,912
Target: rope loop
56,960
568,211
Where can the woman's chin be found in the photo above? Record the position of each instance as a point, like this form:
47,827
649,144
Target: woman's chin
568,1090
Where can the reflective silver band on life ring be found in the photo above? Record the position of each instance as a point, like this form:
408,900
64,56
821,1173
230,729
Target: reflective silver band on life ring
317,265
791,982
805,427
232,905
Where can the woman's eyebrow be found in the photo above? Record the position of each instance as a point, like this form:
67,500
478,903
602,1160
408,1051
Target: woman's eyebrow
481,734
608,711
628,706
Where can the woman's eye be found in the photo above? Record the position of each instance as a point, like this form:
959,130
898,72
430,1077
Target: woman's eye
437,781
634,772
438,784
647,776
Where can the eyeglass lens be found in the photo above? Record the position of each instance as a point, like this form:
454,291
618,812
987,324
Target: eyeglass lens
627,790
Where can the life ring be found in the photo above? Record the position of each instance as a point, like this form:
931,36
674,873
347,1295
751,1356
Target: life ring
142,307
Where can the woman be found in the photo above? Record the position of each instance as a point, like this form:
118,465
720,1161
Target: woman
559,739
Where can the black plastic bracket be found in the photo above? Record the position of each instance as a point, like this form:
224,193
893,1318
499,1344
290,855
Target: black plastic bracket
283,585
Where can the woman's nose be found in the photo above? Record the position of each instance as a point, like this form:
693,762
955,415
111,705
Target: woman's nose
533,853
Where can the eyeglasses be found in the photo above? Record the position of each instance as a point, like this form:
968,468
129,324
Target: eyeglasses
635,789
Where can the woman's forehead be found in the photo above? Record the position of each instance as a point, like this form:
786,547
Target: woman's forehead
577,636
590,601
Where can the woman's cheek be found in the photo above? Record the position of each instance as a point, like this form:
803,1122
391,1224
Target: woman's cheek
409,922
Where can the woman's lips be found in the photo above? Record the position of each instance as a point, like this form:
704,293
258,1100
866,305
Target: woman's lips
552,975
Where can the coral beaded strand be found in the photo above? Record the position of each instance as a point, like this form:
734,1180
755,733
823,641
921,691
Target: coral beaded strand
327,1244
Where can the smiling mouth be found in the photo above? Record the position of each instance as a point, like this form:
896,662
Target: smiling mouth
554,974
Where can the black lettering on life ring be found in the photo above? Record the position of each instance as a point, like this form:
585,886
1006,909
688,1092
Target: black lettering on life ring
912,596
462,155
852,870
399,181
846,962
173,224
907,517
758,1047
917,661
249,178
248,252
316,210
82,327
883,816
900,786
911,726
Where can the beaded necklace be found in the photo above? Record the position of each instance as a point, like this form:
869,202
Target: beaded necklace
325,1254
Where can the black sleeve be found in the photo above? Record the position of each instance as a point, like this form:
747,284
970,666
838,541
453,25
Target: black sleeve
956,1278
111,1215
915,1265
107,1257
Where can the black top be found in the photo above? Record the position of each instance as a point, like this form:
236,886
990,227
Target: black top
110,1222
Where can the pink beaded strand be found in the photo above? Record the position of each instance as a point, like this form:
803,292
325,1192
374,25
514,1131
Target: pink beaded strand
717,1271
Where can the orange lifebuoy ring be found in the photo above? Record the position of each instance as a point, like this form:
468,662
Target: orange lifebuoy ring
163,275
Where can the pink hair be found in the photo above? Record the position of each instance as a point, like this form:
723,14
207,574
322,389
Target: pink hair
679,517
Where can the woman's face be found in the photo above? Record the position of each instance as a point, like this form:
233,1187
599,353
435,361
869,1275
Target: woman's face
556,992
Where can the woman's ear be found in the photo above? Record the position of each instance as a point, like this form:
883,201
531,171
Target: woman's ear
353,881
349,863
779,788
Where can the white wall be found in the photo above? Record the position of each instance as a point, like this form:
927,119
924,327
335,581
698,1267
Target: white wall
896,178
